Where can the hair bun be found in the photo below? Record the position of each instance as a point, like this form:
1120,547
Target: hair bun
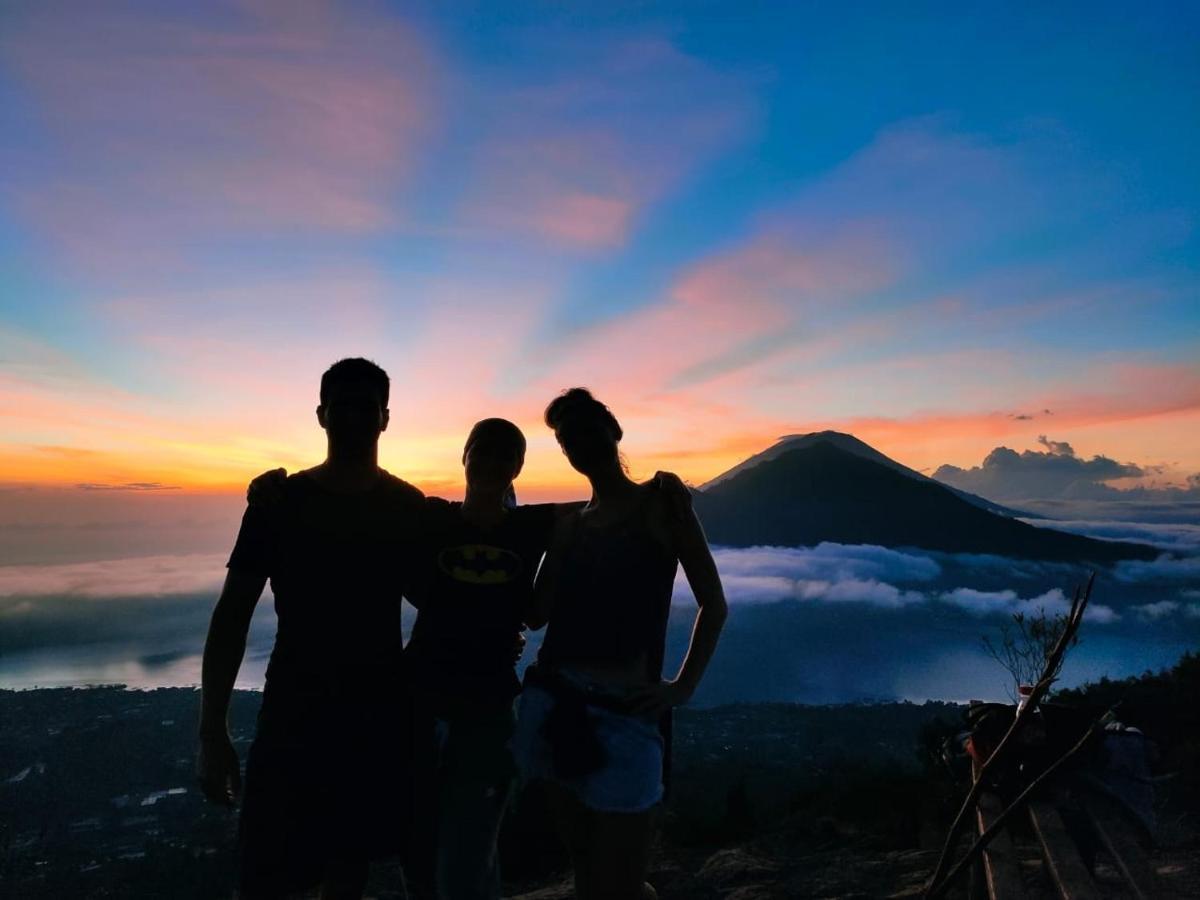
580,400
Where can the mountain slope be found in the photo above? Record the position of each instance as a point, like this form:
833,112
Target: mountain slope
823,492
851,444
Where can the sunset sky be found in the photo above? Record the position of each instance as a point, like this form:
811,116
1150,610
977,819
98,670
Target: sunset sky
938,231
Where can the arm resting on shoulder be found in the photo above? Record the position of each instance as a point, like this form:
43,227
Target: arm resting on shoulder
542,598
267,489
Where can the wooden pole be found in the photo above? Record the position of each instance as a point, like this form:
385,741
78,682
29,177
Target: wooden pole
1079,602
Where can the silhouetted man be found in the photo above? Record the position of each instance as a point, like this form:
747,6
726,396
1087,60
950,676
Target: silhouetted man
327,783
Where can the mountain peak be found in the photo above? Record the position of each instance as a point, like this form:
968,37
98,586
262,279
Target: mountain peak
848,443
810,489
839,439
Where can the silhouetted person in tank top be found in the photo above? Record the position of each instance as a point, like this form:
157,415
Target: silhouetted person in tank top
594,718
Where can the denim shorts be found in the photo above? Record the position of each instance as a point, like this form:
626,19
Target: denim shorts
630,779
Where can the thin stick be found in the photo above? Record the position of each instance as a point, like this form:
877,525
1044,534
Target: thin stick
984,839
1078,603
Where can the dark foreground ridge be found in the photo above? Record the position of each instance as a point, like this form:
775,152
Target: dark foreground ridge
823,492
769,800
98,798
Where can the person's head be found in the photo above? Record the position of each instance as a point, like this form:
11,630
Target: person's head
493,454
586,430
354,401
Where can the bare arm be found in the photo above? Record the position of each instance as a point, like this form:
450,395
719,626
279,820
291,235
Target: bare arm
217,763
691,546
701,571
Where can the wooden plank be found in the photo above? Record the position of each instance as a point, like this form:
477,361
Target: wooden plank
1063,862
1119,840
1001,869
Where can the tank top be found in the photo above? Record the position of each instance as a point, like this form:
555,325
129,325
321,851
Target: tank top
613,596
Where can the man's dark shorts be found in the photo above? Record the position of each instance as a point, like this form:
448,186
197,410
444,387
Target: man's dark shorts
328,778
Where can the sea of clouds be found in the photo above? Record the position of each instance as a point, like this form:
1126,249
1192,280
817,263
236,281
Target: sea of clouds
883,577
827,573
872,621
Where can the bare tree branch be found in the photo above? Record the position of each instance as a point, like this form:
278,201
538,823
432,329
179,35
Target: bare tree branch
1025,644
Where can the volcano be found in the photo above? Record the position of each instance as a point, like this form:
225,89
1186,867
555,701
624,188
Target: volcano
833,487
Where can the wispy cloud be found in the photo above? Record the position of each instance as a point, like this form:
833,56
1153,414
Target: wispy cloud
128,486
264,117
605,132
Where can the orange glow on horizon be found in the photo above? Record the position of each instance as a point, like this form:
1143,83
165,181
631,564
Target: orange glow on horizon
433,462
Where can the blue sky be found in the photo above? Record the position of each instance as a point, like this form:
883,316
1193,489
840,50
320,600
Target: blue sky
731,220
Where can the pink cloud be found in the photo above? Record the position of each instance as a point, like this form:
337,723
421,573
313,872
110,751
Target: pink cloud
167,132
1130,389
577,158
587,220
258,337
773,293
800,320
809,282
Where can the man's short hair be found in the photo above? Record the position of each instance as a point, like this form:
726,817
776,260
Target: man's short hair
355,370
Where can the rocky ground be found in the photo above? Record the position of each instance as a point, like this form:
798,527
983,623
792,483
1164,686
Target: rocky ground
746,873
774,868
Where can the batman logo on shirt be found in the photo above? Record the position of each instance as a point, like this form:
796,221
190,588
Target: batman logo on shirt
480,564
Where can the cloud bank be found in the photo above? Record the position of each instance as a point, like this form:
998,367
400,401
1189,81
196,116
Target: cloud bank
828,573
157,607
1182,537
1053,603
147,576
881,577
1056,472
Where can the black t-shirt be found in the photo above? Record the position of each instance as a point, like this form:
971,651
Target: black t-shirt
337,564
472,587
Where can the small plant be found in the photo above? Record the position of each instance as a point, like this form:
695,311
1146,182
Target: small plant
1026,645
